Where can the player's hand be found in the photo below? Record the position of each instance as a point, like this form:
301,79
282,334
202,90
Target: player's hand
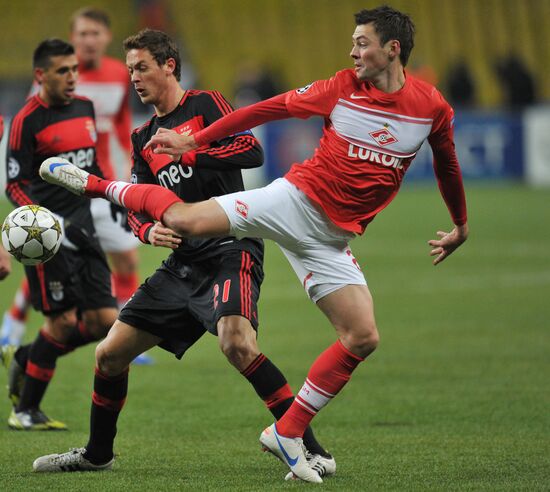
5,263
447,242
172,143
163,237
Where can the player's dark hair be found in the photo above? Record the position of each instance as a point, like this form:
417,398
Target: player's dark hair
91,13
43,53
160,45
390,24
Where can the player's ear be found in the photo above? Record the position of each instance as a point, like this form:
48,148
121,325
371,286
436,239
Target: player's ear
38,75
170,66
394,48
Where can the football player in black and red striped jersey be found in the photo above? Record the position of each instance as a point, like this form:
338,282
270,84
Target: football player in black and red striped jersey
73,290
205,284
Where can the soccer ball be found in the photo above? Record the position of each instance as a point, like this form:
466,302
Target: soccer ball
31,234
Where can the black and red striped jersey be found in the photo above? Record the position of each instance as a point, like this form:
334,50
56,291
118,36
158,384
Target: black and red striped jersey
39,131
207,172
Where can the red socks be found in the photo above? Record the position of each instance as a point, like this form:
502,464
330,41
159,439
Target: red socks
327,376
124,284
152,200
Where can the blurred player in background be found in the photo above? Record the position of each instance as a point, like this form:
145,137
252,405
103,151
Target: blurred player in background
376,118
206,284
5,263
5,257
103,80
73,289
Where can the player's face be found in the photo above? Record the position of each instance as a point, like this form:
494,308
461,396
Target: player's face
371,58
148,77
58,81
90,40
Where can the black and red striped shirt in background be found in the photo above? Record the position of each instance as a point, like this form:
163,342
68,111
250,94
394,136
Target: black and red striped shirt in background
207,172
39,131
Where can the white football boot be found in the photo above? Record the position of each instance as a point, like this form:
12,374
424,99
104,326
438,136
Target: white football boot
61,172
73,460
323,465
290,451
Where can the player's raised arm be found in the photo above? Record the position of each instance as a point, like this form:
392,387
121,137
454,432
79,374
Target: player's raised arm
169,142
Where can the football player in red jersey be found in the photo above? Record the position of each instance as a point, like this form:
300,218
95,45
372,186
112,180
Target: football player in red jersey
205,284
73,289
376,118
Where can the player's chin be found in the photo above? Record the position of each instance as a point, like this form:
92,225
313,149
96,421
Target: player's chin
145,98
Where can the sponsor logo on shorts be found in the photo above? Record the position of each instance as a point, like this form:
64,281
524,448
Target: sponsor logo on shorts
13,168
56,288
241,208
353,260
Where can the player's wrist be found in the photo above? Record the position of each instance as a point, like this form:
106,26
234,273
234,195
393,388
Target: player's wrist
189,158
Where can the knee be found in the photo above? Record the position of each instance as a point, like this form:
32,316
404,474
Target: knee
362,341
107,360
237,344
59,327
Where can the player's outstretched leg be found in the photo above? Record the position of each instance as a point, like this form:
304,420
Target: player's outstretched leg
152,200
290,451
73,460
61,172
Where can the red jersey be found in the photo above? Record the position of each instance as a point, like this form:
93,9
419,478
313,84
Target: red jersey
108,88
369,140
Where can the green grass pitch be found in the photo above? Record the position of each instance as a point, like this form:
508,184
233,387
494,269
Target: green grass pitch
457,397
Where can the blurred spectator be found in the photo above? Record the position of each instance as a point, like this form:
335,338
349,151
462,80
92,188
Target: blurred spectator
517,82
254,83
460,85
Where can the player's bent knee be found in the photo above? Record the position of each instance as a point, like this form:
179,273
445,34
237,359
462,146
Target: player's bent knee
237,341
107,360
362,342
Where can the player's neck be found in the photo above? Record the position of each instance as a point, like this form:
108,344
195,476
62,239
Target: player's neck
390,81
170,100
51,101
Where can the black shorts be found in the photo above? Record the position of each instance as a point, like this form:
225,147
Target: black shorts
80,279
182,300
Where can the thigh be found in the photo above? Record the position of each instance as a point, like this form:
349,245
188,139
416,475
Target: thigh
320,263
111,225
269,213
227,285
350,310
125,342
161,307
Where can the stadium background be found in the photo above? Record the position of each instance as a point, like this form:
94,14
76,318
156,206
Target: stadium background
457,397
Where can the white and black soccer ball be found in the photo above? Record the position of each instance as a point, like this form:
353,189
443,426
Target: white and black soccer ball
31,234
